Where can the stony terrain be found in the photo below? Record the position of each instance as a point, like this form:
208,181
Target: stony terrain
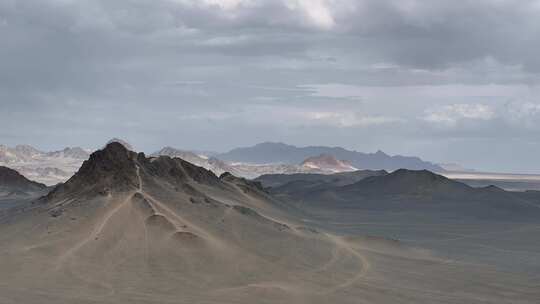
485,225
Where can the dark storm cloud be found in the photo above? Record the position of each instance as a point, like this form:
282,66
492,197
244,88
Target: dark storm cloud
365,74
440,33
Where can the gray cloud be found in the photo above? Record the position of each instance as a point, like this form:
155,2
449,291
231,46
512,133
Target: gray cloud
410,77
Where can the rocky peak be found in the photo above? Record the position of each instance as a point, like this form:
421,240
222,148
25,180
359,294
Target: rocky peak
113,167
122,142
116,169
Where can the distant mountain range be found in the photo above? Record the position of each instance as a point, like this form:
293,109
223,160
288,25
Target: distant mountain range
270,152
55,167
49,168
323,164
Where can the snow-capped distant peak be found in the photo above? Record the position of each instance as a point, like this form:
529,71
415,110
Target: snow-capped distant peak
311,165
326,162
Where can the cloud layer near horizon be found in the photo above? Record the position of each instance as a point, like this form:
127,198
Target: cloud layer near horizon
452,81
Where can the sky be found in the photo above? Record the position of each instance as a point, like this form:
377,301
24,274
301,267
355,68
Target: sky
448,81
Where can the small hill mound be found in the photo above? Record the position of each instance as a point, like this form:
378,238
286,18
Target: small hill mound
13,182
410,182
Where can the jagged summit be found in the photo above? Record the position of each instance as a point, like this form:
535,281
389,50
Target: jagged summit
112,167
117,169
124,143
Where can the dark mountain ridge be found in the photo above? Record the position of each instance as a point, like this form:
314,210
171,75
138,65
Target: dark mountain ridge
12,181
409,182
419,191
337,179
16,190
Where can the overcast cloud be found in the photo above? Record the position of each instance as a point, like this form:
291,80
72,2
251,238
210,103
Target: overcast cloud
449,81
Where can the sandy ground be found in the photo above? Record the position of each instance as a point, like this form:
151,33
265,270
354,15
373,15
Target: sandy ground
156,244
